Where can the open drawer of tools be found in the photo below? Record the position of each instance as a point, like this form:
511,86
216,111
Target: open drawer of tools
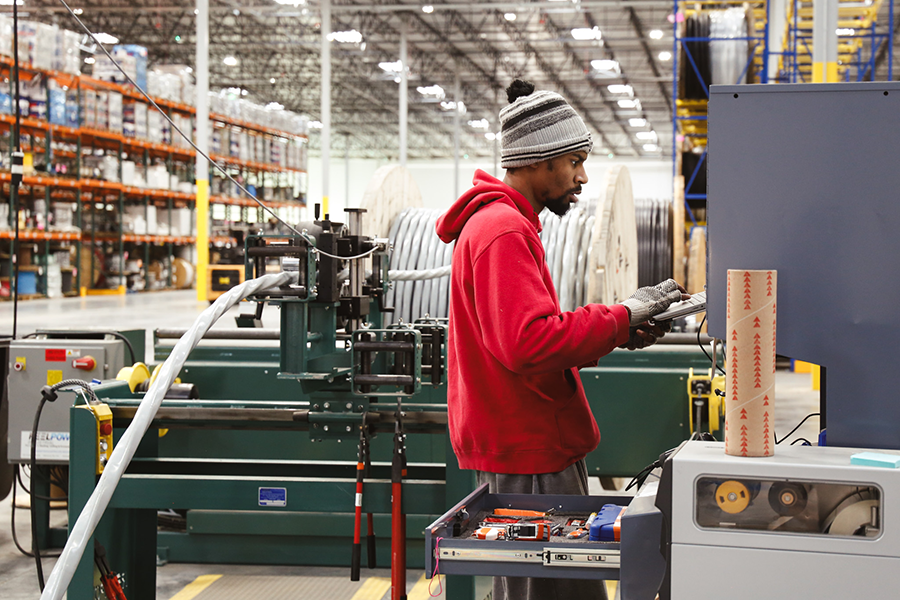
483,535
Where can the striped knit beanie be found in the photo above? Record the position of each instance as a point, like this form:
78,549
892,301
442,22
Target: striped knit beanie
538,126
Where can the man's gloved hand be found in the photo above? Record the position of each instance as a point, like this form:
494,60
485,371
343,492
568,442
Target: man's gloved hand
652,300
645,335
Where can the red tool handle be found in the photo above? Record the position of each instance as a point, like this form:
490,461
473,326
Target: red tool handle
357,522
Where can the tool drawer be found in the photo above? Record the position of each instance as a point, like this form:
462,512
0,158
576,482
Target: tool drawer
450,545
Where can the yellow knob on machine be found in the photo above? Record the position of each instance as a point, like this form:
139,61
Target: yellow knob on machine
732,496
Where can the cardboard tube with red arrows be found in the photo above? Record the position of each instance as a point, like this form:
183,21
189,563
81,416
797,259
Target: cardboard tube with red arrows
750,383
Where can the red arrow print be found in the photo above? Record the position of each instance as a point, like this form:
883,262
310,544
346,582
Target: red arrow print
756,324
766,403
743,413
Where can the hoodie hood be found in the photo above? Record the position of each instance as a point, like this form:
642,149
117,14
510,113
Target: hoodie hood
486,189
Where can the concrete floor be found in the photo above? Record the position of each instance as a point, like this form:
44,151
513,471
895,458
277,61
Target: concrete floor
794,396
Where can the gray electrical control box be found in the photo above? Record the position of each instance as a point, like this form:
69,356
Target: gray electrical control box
36,363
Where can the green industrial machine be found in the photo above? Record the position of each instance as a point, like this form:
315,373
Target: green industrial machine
263,457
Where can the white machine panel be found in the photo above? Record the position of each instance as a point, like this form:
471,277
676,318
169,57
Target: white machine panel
715,573
833,483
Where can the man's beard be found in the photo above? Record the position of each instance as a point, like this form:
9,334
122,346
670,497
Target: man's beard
561,205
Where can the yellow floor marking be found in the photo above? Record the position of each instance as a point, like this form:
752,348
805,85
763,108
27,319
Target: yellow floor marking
611,588
420,590
192,589
373,588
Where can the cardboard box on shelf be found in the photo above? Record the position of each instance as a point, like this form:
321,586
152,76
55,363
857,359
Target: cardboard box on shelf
114,119
139,55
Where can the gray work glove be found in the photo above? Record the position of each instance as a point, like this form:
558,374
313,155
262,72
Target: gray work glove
649,301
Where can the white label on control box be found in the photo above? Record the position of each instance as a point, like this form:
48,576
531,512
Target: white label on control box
51,445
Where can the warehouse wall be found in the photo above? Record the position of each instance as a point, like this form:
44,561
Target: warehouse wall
650,179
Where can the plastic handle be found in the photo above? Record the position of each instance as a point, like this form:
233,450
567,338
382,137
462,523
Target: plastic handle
354,562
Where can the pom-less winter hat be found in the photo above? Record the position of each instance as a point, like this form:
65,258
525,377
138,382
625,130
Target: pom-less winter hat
538,126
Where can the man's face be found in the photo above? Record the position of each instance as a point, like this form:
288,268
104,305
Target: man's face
560,180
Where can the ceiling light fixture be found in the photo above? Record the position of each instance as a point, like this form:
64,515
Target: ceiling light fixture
450,105
391,67
272,80
646,135
651,148
606,67
274,106
345,37
90,60
431,90
656,34
618,88
583,33
637,122
315,125
845,31
625,103
510,16
77,11
230,61
291,2
428,9
665,55
479,124
105,38
188,70
492,136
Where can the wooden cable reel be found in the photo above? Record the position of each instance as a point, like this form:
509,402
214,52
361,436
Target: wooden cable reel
391,190
612,268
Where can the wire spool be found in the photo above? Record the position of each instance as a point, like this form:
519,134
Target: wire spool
390,191
612,269
182,273
696,280
416,247
728,60
678,244
591,251
654,233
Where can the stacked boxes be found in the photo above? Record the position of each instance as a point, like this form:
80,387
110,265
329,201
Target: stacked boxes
67,57
137,55
134,119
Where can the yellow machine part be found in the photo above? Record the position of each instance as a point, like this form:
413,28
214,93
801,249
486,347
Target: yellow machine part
732,496
104,445
138,374
715,402
134,375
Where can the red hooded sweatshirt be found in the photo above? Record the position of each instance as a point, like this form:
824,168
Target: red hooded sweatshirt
515,401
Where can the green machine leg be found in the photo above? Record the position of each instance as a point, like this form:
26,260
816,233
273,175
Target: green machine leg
128,535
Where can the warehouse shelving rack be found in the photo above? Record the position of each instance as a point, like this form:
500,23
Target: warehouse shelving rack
860,39
93,198
689,121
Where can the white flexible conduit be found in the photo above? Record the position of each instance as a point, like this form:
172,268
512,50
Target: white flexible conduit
122,454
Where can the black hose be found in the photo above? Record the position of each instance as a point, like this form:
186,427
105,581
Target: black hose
48,394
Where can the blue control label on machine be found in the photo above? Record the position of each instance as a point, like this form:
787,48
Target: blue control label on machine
273,496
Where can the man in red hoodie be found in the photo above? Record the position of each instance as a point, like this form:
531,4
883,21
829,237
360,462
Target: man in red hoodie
518,414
